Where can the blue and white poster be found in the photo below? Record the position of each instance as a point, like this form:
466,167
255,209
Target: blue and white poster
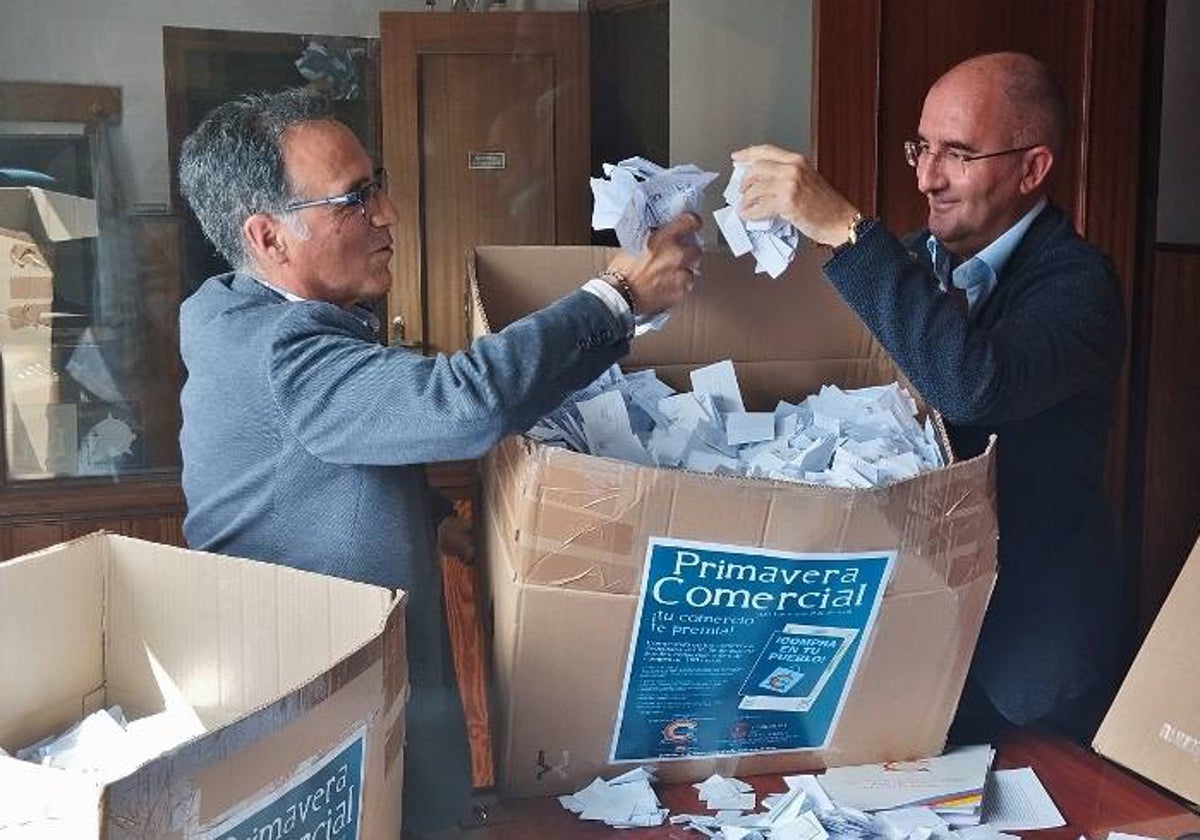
740,649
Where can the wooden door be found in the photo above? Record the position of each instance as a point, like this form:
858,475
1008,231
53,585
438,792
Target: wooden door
485,124
487,168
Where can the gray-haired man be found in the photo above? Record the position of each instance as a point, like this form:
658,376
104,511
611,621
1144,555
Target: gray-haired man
304,440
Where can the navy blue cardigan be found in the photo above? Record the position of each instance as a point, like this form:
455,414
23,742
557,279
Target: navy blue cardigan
1034,365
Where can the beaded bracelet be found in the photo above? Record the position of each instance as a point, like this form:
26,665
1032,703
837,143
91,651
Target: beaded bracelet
618,281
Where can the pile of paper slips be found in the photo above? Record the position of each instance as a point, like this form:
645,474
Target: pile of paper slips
807,810
860,438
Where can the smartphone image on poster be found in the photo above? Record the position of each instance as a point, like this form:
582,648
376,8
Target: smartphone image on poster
794,666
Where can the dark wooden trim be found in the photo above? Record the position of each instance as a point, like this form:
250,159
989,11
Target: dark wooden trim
1164,247
607,6
1110,167
53,102
55,500
846,97
1147,583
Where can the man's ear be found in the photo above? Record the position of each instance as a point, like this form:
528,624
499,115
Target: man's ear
265,240
1038,161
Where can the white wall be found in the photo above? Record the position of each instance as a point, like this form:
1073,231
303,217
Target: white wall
119,43
741,73
1179,152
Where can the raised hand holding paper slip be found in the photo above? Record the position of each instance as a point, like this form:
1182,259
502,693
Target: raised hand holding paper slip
772,241
641,196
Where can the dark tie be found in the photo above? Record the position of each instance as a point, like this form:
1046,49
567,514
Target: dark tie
958,297
944,264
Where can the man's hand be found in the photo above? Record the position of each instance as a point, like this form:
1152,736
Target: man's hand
783,183
454,537
666,269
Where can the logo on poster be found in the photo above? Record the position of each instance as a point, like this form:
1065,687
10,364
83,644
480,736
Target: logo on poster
680,733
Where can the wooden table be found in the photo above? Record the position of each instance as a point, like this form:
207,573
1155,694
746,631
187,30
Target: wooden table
1094,796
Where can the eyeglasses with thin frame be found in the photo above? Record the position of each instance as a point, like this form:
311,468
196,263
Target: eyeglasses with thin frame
361,198
914,150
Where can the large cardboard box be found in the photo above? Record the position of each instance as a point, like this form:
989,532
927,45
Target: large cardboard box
41,430
1153,725
300,679
707,573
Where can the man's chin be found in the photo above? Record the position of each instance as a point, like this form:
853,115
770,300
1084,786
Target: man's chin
940,226
382,283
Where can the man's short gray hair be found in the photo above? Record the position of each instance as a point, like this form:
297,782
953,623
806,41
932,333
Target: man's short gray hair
231,166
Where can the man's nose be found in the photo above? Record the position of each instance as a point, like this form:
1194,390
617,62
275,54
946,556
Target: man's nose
931,173
384,212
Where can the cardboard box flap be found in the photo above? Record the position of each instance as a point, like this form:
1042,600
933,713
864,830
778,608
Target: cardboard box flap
1153,726
196,614
47,675
797,317
45,215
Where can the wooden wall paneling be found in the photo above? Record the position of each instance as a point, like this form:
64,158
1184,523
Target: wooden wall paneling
23,537
1151,574
26,537
401,143
921,40
84,499
162,529
34,517
1171,496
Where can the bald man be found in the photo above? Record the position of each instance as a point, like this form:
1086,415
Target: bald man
1009,324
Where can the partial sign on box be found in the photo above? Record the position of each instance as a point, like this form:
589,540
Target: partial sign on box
323,799
869,671
299,679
